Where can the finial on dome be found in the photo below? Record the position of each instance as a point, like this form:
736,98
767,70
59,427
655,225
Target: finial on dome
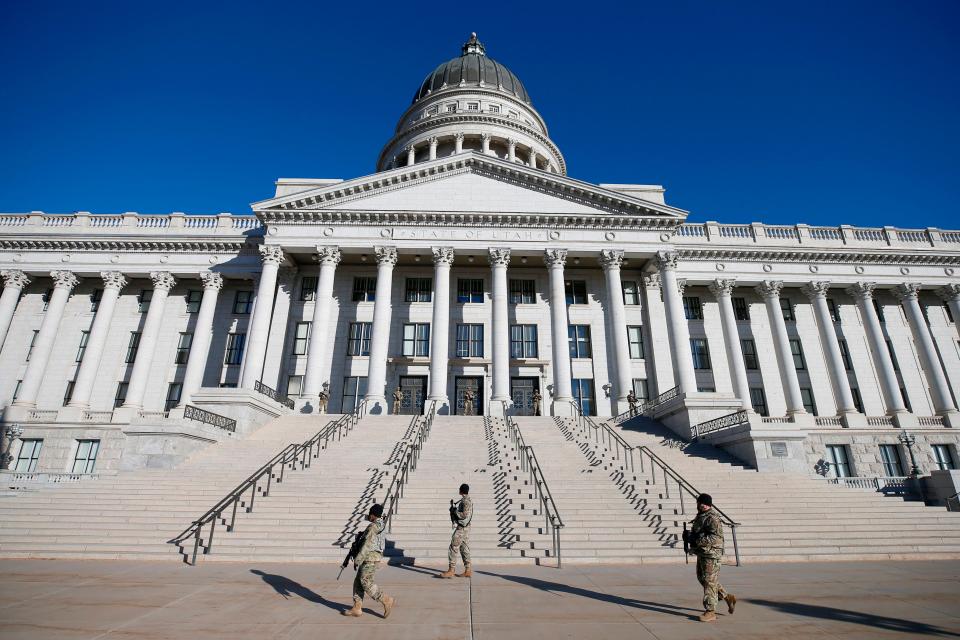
473,46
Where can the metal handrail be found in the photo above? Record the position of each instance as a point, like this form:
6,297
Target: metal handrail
728,421
273,394
191,412
956,498
529,463
610,438
649,405
409,455
290,456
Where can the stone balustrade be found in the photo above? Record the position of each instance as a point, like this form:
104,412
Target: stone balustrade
821,237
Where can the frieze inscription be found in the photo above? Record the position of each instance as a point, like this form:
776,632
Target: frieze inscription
492,235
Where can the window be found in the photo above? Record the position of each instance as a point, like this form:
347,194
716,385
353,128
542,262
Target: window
890,457
84,337
879,310
16,389
758,400
806,396
28,456
635,338
576,291
740,309
416,340
906,399
522,292
494,108
243,302
133,345
473,106
845,354
523,341
358,342
787,309
183,348
833,309
294,386
174,389
143,300
692,309
301,337
799,363
857,400
583,394
942,457
706,389
838,461
946,310
228,385
95,297
308,288
701,353
364,289
121,395
641,389
749,348
893,356
469,341
68,393
469,290
234,353
86,458
46,298
419,290
631,292
33,341
194,298
354,389
578,336
434,110
450,108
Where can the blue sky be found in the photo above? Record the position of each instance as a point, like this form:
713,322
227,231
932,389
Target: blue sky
814,112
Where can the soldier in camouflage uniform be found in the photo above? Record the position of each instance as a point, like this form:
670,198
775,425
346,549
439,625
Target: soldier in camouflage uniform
706,541
366,563
461,514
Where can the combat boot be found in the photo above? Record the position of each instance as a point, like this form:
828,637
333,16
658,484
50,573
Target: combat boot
467,572
449,573
355,612
731,601
388,604
708,616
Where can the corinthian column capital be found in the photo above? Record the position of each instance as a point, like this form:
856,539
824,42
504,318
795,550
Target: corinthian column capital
862,290
498,257
64,279
14,278
949,293
271,254
906,291
555,257
667,260
611,258
721,287
113,280
386,255
769,288
163,280
814,290
328,254
443,255
211,280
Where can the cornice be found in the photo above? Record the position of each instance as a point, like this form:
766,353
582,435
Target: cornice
897,256
123,245
442,95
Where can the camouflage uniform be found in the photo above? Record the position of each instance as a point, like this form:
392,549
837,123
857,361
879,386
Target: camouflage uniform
460,542
706,540
367,560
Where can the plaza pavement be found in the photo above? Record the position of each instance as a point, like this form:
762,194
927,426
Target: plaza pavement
41,599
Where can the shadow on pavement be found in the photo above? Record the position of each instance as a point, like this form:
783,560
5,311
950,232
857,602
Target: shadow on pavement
559,587
855,617
425,570
287,587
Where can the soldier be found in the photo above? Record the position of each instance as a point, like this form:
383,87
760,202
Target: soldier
322,400
632,400
366,562
468,402
706,541
397,399
461,514
537,399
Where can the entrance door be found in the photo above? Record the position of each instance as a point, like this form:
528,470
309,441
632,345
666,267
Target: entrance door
414,390
521,391
475,384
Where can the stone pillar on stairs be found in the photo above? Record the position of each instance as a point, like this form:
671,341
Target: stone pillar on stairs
611,260
271,257
375,399
329,258
202,335
769,290
499,259
555,260
684,376
163,282
440,327
14,282
723,291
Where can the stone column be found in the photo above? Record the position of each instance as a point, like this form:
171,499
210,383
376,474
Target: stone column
533,158
939,389
64,282
610,261
562,378
202,336
411,155
817,292
512,150
499,259
769,290
257,334
683,373
862,292
723,291
433,147
458,143
485,142
380,332
329,258
14,282
949,293
163,282
113,282
440,326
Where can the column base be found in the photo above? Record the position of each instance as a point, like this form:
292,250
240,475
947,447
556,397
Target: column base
376,406
71,413
441,405
563,407
951,419
904,420
17,413
853,419
125,414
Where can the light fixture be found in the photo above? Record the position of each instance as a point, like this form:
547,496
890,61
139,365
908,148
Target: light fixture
469,258
363,258
606,389
523,259
906,439
416,258
576,261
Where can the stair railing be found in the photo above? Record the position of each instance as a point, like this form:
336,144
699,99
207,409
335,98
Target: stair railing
728,421
407,463
260,481
602,432
528,462
273,394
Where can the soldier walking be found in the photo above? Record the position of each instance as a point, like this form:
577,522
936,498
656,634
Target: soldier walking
706,541
461,514
365,562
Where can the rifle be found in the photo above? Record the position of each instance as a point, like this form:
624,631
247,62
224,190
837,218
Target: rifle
354,550
686,543
453,512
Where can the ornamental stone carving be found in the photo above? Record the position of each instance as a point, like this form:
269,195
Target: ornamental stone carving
949,293
64,279
555,257
667,260
443,255
113,280
498,257
651,281
433,140
328,255
611,258
906,291
814,290
162,280
458,136
211,280
722,288
681,286
769,288
14,278
270,254
862,290
386,255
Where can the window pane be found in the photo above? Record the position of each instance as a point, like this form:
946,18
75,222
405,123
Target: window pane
692,308
576,291
308,288
84,336
194,298
758,400
86,457
834,311
631,292
700,352
132,347
797,350
740,309
838,461
806,395
28,456
787,309
294,384
121,395
635,338
749,348
943,457
890,456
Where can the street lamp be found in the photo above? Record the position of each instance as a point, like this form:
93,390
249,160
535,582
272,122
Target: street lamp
907,440
9,436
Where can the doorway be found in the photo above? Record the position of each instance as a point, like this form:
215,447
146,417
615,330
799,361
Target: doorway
475,384
414,390
521,392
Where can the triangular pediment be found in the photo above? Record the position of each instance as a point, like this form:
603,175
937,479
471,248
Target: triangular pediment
470,183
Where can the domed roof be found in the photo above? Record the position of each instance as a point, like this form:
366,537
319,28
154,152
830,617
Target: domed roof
473,69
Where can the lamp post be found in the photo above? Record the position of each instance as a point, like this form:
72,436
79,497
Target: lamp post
907,440
9,436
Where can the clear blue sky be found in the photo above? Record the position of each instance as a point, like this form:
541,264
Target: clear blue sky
815,112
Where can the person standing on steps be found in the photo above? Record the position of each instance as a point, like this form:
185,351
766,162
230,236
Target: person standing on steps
706,542
365,562
537,399
461,514
397,399
632,401
468,398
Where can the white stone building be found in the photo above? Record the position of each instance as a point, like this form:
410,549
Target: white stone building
470,260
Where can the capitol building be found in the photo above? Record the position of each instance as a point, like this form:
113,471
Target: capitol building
470,268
